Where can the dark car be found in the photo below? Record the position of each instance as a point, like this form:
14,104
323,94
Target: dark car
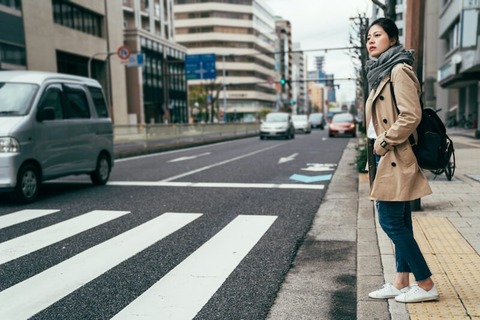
277,124
342,124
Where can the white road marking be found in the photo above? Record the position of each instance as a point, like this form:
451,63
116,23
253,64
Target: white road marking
183,292
219,163
214,185
18,247
190,157
22,216
171,151
34,294
286,159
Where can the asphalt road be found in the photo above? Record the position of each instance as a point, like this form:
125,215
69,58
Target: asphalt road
206,233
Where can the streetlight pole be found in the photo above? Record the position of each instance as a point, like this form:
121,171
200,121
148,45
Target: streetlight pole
224,92
108,54
107,80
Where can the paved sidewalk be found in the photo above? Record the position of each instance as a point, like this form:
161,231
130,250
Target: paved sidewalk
447,229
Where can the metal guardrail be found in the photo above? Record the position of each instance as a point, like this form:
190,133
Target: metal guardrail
136,139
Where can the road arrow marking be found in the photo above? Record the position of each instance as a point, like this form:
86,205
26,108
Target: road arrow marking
309,179
289,158
190,157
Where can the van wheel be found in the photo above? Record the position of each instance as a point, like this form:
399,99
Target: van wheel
102,171
28,184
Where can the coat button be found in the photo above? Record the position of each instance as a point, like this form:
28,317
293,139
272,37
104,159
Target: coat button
393,164
381,98
384,120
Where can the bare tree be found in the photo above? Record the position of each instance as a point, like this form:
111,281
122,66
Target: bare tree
359,54
388,8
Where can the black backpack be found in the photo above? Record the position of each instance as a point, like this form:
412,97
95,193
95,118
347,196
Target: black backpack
434,147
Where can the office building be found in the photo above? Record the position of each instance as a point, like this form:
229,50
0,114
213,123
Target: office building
299,83
83,37
242,36
157,93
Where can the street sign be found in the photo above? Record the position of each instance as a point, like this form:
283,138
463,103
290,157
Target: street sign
136,60
200,66
123,52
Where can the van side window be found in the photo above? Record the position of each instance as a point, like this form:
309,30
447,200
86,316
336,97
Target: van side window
99,102
52,98
77,103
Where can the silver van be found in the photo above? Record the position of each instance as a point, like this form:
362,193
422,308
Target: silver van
51,125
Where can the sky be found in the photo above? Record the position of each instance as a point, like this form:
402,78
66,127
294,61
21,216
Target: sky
322,24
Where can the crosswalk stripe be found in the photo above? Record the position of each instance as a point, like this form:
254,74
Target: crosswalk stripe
34,294
22,216
183,292
15,248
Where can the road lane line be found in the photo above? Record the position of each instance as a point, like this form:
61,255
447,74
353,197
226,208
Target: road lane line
215,185
190,157
219,163
23,245
34,294
22,216
183,292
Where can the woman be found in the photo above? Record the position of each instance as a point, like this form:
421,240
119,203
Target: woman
393,112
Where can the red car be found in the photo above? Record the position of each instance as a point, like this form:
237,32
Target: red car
342,124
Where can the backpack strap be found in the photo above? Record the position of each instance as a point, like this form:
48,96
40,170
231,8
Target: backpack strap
410,138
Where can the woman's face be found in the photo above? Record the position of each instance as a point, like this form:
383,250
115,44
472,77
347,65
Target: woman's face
378,41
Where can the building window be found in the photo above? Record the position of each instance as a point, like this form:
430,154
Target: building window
78,18
452,36
12,4
12,54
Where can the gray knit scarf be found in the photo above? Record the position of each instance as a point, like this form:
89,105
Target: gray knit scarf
379,68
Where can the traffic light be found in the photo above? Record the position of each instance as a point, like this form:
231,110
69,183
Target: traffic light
284,81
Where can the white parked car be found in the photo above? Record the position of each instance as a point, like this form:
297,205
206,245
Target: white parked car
301,123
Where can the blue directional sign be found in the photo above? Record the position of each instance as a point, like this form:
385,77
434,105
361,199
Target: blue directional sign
200,66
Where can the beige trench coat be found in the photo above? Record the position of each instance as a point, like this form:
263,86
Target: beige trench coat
398,177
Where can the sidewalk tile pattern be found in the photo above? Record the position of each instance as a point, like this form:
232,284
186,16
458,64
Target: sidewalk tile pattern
456,270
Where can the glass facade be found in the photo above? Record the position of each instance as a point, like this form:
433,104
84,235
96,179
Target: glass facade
16,4
78,18
12,54
164,83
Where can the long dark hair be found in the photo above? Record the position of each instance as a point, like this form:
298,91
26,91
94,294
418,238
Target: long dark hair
388,25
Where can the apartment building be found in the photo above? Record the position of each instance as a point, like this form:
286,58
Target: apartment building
82,37
242,36
459,61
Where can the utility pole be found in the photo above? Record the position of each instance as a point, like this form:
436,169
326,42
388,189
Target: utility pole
414,33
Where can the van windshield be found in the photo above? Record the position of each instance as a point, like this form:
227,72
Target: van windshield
15,98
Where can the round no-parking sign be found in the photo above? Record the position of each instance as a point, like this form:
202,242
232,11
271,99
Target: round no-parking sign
123,52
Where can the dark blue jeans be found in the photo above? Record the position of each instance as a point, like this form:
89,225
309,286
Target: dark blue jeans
395,218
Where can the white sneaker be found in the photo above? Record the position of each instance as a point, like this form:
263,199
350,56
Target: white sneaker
417,294
388,291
